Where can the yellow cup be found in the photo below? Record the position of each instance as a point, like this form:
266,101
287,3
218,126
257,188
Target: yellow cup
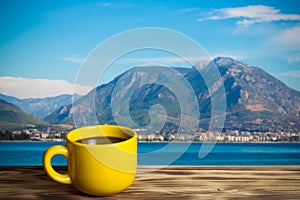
97,169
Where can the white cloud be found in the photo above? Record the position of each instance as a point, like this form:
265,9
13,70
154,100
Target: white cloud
38,88
287,38
187,10
115,5
71,59
125,5
294,58
104,4
294,74
250,14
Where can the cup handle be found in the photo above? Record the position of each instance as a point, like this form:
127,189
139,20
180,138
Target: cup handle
52,151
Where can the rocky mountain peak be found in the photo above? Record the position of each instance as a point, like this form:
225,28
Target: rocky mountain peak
232,65
227,61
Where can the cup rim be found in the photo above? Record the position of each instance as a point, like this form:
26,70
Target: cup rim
101,145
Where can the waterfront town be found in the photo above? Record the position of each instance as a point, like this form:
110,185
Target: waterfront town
34,134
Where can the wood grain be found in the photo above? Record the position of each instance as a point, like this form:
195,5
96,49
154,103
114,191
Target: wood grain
167,183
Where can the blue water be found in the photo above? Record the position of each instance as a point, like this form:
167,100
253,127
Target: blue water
31,153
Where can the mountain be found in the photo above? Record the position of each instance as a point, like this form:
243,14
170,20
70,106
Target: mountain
255,100
40,107
99,100
12,116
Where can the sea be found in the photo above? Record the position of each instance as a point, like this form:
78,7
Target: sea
173,153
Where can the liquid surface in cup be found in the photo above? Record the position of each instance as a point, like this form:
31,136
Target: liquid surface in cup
101,140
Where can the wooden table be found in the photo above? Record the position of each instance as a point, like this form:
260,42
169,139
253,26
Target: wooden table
167,183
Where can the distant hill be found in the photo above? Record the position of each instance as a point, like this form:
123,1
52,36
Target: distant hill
40,107
256,101
12,116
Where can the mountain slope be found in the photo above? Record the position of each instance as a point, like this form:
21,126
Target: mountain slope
259,90
102,96
12,116
40,107
255,100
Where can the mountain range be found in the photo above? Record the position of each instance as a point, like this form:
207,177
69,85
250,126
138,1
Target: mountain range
40,107
255,100
12,116
157,97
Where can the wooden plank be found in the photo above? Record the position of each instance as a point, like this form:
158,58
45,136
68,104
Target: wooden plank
174,182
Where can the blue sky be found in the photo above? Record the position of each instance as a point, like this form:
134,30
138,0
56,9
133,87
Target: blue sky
42,43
